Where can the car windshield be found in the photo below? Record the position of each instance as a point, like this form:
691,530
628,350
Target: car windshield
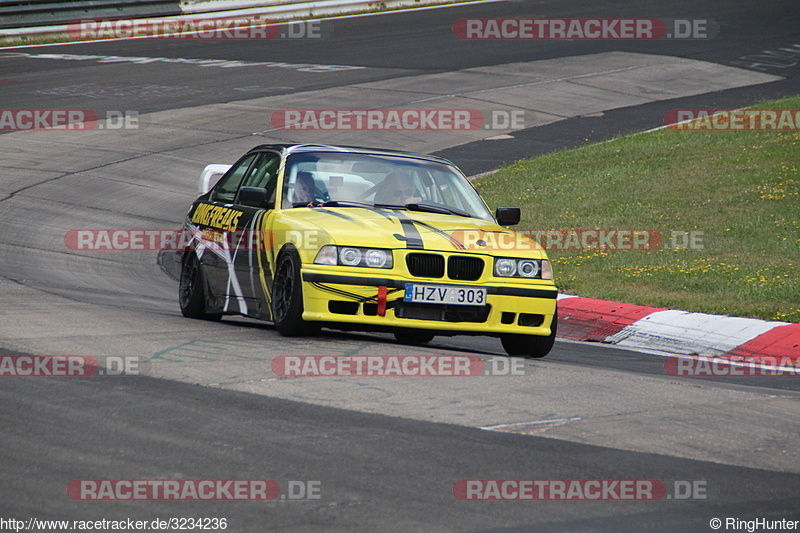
346,179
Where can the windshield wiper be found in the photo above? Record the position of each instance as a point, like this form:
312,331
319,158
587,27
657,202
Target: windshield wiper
431,208
348,203
345,203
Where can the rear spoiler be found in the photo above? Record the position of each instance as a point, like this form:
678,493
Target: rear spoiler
211,172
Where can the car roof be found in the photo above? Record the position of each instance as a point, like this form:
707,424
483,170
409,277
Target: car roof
309,147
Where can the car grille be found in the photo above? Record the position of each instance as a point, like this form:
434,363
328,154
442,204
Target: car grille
459,267
425,265
464,268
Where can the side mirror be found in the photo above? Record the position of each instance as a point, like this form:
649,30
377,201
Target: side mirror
507,216
253,196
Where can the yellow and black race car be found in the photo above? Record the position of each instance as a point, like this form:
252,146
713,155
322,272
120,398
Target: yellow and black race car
350,238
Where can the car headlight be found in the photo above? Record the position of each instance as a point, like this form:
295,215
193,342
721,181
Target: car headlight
528,269
505,268
350,256
377,258
354,256
509,267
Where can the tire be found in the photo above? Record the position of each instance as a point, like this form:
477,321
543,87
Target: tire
413,336
533,346
191,290
287,298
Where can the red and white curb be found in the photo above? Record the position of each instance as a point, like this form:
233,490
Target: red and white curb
673,332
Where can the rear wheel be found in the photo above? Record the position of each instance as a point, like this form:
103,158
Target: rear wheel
413,336
533,346
287,298
191,290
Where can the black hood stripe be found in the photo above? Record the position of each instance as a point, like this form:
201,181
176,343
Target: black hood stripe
411,234
455,242
335,214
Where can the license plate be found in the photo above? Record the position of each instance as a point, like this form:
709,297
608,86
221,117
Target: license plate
444,294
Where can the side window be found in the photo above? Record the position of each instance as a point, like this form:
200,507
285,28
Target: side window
263,172
264,175
226,187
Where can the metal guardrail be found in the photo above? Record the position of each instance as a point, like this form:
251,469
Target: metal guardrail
27,13
20,19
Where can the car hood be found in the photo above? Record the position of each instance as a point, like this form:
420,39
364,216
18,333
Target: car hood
387,228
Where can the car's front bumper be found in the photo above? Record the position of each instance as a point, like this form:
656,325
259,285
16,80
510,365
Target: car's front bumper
336,296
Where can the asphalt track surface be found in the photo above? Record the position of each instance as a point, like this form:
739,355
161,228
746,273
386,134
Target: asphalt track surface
386,453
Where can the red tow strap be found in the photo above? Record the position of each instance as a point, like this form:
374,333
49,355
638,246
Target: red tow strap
381,301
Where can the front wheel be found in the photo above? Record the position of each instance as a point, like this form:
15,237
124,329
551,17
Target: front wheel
287,298
191,290
533,346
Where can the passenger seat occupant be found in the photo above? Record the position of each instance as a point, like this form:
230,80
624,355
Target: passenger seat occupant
303,188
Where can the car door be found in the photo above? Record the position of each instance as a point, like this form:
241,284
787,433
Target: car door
212,220
250,259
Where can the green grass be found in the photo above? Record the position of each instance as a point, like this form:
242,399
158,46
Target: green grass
741,189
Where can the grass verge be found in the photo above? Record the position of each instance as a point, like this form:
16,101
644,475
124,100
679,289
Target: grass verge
737,191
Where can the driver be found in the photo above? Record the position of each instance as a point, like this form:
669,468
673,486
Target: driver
304,189
397,189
